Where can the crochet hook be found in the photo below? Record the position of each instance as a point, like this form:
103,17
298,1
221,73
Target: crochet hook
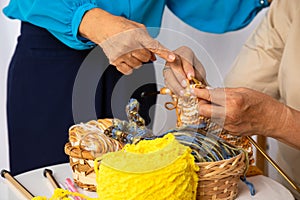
163,90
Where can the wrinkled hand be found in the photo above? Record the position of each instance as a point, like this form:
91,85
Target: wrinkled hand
243,111
185,66
126,43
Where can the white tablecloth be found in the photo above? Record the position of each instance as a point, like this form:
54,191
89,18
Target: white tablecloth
38,185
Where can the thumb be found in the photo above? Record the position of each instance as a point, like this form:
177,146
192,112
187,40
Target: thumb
155,47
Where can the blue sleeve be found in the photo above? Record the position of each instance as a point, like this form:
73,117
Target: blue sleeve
217,16
60,17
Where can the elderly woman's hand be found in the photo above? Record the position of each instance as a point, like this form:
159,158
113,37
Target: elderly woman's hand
126,43
185,66
243,111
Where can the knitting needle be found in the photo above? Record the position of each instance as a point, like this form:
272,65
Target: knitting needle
163,90
48,174
287,178
6,174
72,187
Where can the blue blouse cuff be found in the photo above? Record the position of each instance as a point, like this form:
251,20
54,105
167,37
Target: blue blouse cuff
78,14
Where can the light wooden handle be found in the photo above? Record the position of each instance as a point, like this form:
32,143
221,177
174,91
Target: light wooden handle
6,174
283,174
48,173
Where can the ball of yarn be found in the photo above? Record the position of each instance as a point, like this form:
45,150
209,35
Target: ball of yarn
152,169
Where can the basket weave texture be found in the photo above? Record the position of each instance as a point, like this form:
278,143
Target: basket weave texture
82,165
219,180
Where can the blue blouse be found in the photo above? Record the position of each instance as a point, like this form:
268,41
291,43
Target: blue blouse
62,17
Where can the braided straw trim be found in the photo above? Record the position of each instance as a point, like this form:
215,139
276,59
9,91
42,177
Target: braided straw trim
219,180
91,188
77,152
82,165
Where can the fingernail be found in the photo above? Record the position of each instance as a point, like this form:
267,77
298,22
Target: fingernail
189,76
171,57
181,93
183,83
192,91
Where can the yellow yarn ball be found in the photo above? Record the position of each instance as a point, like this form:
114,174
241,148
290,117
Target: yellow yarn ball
160,169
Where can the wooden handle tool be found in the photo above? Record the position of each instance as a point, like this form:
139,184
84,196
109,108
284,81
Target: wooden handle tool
6,174
49,174
283,174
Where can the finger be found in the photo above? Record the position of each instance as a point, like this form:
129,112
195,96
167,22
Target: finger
130,60
192,66
200,73
216,113
200,77
133,62
155,47
142,55
178,71
171,81
188,68
187,56
124,68
202,94
216,96
231,132
202,101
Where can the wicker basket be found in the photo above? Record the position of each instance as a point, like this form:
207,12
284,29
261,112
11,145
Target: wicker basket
219,180
82,165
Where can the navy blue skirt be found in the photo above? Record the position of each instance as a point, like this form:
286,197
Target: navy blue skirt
41,78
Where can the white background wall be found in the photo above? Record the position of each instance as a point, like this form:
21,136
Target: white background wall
221,48
8,37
